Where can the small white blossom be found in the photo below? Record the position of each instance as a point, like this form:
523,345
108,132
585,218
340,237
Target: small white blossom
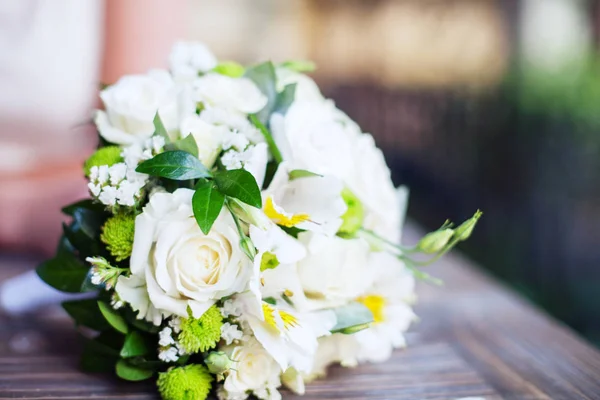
117,173
230,308
232,159
168,354
165,338
108,195
116,302
230,332
175,324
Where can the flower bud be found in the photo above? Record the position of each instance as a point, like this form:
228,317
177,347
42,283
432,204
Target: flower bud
248,247
435,241
218,362
466,228
354,215
268,261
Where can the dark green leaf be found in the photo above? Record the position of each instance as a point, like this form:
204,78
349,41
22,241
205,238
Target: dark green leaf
101,353
301,173
86,313
285,99
207,204
63,272
139,324
188,144
132,373
178,165
86,204
160,130
135,345
84,245
240,184
112,317
263,75
143,363
268,138
352,317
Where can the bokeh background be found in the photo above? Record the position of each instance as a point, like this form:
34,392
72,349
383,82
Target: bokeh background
476,103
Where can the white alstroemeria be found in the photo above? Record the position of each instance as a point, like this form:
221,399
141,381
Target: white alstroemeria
335,271
389,299
254,371
189,59
312,203
230,333
254,160
239,95
209,138
176,266
290,337
131,104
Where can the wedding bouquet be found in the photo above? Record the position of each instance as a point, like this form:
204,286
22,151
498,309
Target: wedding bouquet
242,233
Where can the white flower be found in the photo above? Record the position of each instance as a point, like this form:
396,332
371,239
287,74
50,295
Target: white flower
179,266
230,308
189,59
117,184
208,137
311,203
306,88
239,95
234,120
131,105
335,270
165,337
254,371
230,332
168,354
254,160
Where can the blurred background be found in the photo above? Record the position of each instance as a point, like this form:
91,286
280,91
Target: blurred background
476,104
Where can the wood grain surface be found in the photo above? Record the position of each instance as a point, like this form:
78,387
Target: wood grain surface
475,338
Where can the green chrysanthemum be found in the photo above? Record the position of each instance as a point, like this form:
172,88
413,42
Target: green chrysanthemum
192,382
109,155
201,334
117,234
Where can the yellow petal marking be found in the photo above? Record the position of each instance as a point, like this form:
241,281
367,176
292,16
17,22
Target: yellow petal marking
375,304
280,218
289,321
269,313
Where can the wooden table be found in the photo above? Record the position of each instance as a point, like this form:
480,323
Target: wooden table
476,338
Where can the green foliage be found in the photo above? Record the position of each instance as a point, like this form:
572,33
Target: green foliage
192,382
117,235
129,372
108,155
101,353
285,99
177,165
351,318
113,317
268,138
188,144
135,345
160,130
268,261
201,334
301,173
299,65
207,203
354,215
263,75
230,68
63,272
86,313
240,184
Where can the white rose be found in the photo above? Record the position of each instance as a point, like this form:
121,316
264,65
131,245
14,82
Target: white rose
239,95
372,184
177,265
188,59
131,104
334,270
209,138
306,88
318,137
254,370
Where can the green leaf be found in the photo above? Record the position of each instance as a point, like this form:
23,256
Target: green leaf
86,313
299,65
268,138
351,318
63,272
86,204
132,373
113,318
159,128
207,203
263,75
285,99
240,184
135,345
188,144
301,173
230,68
178,165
